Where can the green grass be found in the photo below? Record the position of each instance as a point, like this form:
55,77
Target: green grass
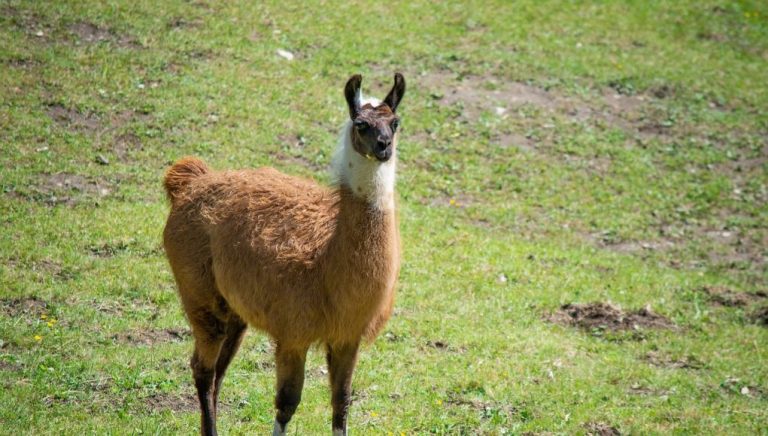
633,172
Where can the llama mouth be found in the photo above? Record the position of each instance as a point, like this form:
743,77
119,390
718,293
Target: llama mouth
383,155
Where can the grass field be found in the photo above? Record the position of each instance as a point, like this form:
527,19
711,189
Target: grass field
552,153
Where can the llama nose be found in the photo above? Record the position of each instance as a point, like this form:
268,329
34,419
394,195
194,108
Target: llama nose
383,151
383,143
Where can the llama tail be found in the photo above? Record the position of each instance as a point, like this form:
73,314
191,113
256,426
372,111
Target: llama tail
180,174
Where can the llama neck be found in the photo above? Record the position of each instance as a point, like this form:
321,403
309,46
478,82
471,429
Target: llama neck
366,179
363,256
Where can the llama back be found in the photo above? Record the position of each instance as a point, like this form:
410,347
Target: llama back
288,219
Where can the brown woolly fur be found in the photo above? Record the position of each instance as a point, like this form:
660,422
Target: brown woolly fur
302,262
180,174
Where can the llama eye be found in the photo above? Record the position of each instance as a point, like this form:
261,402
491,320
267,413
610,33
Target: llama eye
395,125
361,126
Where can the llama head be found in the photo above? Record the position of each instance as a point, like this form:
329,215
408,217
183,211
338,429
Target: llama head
374,126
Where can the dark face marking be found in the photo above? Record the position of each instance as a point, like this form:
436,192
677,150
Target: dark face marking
374,128
373,132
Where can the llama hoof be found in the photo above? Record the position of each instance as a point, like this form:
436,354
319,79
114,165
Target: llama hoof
278,430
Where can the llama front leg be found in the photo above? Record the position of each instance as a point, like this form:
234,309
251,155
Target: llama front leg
341,364
290,382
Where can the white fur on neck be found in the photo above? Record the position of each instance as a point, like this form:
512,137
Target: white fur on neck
368,179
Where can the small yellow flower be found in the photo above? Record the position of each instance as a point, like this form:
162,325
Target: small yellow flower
452,202
51,323
38,338
43,316
439,402
374,414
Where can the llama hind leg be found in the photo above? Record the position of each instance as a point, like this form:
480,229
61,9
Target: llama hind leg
341,364
235,330
209,336
290,382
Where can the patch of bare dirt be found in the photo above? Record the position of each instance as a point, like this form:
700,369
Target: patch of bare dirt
68,189
595,164
125,144
621,102
440,345
93,124
160,402
726,247
73,118
29,22
654,128
320,372
444,346
662,91
46,267
723,296
487,409
473,95
266,365
760,316
392,337
601,429
19,62
109,249
9,366
26,306
638,389
204,5
737,386
469,97
152,337
51,269
606,316
296,152
173,67
747,255
662,361
90,33
515,140
203,55
610,241
712,36
743,168
120,307
119,119
179,23
298,160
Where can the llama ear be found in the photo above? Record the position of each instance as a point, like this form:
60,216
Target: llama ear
352,94
397,92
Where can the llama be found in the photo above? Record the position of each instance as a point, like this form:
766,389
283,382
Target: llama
304,263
